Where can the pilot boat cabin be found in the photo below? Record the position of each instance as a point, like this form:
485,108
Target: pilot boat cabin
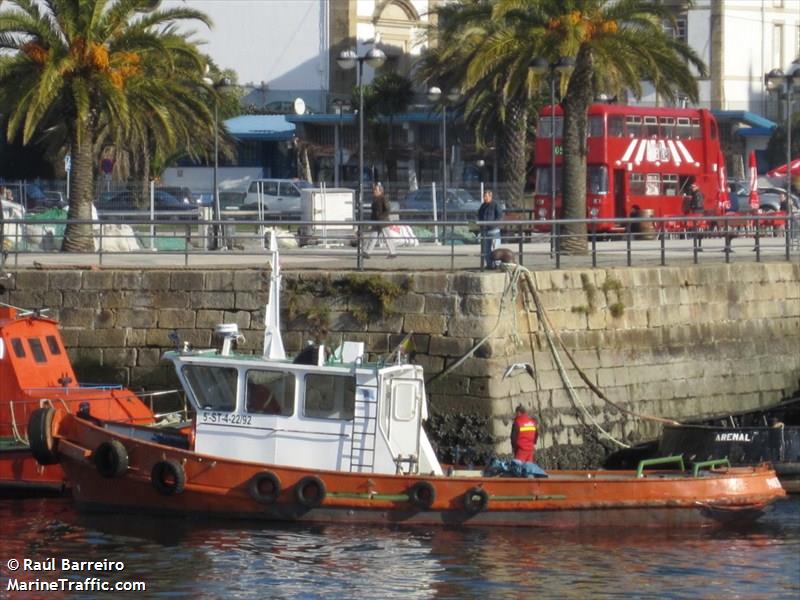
338,414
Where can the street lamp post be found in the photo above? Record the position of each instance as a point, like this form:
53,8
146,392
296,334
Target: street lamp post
540,66
348,59
216,86
339,106
435,95
787,83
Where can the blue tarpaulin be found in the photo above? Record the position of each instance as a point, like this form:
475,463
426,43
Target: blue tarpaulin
513,468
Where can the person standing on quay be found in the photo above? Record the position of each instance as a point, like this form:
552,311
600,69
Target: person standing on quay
380,212
490,234
524,433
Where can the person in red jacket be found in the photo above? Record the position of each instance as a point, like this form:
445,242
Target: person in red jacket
524,433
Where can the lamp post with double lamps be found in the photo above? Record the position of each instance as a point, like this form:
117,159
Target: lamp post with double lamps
557,69
348,59
788,84
435,95
216,86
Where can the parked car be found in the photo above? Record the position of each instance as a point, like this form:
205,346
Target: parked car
186,195
109,203
774,199
277,197
460,203
38,200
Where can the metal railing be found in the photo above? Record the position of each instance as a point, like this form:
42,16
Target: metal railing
423,244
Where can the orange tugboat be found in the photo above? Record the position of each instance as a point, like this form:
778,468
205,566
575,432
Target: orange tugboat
35,371
334,438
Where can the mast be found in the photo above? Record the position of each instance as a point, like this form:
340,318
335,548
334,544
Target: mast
273,344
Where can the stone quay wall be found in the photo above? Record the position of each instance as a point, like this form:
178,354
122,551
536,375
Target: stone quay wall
675,342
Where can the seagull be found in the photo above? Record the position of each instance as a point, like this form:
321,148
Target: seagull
516,367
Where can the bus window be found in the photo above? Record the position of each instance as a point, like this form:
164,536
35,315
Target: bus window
696,129
543,180
636,184
653,186
650,127
546,127
683,131
597,179
596,126
634,126
670,185
667,127
616,126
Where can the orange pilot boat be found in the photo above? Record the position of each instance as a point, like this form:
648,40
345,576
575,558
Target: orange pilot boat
35,371
326,439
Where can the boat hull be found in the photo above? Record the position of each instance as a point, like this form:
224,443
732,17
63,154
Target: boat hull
209,486
742,445
21,475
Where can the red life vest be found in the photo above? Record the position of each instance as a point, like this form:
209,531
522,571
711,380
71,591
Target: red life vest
523,437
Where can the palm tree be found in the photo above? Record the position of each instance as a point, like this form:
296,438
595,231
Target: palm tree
616,44
81,63
469,55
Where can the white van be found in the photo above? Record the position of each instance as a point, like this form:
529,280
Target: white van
275,197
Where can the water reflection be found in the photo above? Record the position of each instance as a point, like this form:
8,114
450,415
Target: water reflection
181,557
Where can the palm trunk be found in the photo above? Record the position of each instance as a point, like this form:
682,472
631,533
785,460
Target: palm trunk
513,151
576,105
78,236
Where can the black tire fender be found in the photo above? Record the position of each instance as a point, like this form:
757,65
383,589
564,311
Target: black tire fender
264,487
310,491
475,500
422,495
40,436
168,477
110,459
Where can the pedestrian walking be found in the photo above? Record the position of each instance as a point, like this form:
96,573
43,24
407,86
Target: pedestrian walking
490,234
381,211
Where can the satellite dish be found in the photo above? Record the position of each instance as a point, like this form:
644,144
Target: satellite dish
299,106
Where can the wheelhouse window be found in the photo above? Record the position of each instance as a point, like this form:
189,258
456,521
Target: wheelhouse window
329,396
270,393
213,387
37,350
597,179
19,349
543,180
52,345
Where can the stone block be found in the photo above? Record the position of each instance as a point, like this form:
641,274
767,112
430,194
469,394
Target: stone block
128,280
476,327
485,306
173,299
77,317
431,283
148,357
118,357
30,280
104,318
251,280
186,281
153,281
240,317
98,280
423,323
101,338
218,281
409,303
389,323
208,319
478,283
447,346
169,318
420,342
65,280
440,304
212,300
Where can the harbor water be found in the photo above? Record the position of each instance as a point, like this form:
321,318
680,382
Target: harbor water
182,558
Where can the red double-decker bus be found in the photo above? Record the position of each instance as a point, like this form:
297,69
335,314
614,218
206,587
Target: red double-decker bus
639,159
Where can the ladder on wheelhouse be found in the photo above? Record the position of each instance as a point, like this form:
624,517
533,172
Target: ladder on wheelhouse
364,430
